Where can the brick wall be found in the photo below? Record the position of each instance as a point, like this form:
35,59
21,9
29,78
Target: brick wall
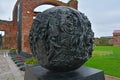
116,38
28,13
9,40
28,6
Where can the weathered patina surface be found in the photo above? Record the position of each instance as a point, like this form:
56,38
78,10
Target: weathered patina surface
61,39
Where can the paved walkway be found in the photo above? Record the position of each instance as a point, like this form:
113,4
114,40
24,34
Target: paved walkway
8,70
107,77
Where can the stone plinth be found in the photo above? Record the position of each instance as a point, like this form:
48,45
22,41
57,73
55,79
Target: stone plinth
37,72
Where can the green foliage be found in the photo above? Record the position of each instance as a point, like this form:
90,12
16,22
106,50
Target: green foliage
106,58
103,41
12,51
31,60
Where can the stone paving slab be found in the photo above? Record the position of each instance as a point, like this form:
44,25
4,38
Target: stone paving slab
8,70
107,77
7,77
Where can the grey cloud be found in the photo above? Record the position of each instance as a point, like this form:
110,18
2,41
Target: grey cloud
103,14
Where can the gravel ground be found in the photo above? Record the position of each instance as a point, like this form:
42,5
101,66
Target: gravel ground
8,70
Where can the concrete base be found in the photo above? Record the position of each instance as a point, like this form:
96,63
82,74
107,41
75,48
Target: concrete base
37,72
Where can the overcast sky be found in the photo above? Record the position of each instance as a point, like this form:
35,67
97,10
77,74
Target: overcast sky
103,14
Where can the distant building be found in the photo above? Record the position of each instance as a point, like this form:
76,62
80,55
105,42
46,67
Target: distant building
116,38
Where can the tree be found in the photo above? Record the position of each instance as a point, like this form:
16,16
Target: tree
104,41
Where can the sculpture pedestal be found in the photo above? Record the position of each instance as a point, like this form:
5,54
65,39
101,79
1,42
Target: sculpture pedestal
36,72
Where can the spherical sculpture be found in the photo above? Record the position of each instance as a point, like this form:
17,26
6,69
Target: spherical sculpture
61,39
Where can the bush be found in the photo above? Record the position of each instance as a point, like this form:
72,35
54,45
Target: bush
31,60
103,41
12,51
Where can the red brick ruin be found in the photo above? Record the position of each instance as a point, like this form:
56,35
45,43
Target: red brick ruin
116,38
10,27
9,40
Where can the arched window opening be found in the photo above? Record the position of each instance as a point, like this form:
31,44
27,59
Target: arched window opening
66,1
2,33
40,9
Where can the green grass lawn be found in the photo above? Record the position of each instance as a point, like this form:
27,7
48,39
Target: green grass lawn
106,58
